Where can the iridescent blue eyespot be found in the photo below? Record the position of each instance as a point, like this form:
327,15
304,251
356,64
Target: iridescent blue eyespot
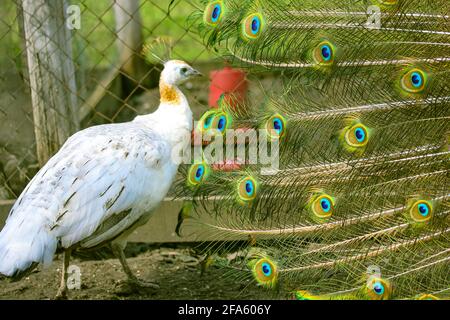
325,204
252,26
213,13
221,123
416,79
249,188
216,13
423,209
278,125
378,288
356,137
266,269
326,52
420,210
256,23
199,172
207,122
275,126
360,134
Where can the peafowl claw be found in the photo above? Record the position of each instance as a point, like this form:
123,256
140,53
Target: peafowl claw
142,284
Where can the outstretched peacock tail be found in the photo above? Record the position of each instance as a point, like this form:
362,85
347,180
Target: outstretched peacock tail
359,207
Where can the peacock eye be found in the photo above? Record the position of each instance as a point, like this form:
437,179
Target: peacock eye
184,70
206,120
266,269
197,174
247,189
379,289
322,205
326,52
252,26
221,122
421,211
323,54
360,134
275,126
213,13
357,136
265,272
414,81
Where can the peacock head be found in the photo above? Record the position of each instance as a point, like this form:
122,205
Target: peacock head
176,72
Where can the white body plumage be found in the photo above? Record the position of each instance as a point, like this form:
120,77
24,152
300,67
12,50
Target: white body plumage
101,185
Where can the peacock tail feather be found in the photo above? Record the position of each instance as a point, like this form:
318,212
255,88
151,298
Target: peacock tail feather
359,207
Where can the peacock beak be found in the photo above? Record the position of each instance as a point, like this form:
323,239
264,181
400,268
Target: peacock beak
195,73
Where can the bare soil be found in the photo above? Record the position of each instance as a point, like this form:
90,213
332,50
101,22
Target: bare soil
177,272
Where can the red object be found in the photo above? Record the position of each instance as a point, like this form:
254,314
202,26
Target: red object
230,82
227,166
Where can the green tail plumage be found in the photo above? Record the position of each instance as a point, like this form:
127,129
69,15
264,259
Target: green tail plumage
359,208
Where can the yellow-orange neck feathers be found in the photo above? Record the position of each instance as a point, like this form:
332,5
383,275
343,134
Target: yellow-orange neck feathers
168,93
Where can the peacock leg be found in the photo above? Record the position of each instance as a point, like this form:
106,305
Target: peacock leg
62,291
117,249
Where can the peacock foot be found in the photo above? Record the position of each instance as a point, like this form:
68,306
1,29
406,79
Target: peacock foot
142,284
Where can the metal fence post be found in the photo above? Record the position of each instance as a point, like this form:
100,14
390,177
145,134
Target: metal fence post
52,74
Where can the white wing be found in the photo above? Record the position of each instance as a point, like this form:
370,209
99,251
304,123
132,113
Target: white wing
103,179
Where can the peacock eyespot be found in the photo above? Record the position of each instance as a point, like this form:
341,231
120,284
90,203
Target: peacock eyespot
379,289
265,272
213,13
325,204
360,134
197,174
275,126
252,26
247,189
421,211
206,120
266,269
255,25
322,206
323,54
216,13
357,135
326,52
220,122
414,81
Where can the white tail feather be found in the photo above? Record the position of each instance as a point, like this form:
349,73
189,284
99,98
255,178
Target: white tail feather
22,244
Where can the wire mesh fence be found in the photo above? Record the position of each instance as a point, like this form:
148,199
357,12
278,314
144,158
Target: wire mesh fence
94,51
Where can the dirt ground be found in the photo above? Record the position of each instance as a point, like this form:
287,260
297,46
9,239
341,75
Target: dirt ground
176,271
